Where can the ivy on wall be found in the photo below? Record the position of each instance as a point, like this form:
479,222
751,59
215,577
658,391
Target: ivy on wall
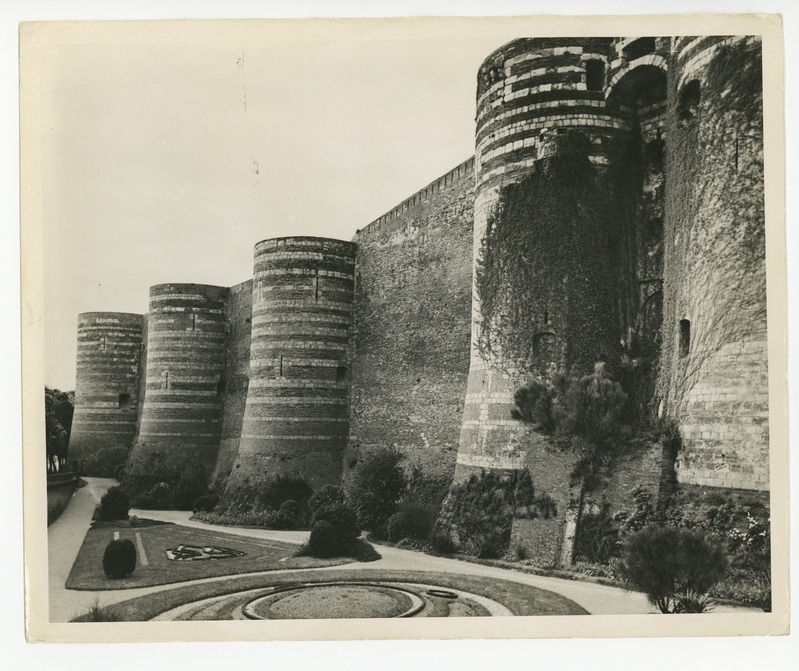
548,268
715,232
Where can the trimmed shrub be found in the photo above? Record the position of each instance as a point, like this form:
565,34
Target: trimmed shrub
362,551
289,515
114,505
326,496
377,486
205,503
664,562
119,558
324,541
343,520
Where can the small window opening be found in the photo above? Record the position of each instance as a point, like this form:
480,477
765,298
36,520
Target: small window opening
316,286
690,95
166,379
341,374
102,343
638,48
124,401
685,337
594,75
220,386
736,151
193,321
280,367
546,317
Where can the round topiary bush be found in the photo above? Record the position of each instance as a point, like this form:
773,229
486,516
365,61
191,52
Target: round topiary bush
342,518
114,505
324,541
119,558
289,515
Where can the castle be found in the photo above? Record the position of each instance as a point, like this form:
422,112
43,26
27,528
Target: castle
613,212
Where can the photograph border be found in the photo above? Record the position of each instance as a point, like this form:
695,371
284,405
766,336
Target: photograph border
36,38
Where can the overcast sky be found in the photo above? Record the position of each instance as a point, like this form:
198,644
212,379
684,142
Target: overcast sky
167,157
170,148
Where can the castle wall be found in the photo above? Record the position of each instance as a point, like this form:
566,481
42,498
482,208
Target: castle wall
714,378
182,415
237,371
296,417
106,390
412,326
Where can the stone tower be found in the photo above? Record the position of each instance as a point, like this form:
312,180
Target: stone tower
296,419
714,373
181,417
106,390
555,211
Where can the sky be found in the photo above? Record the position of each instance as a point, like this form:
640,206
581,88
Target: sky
168,154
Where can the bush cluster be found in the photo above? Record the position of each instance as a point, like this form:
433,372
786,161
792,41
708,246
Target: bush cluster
334,528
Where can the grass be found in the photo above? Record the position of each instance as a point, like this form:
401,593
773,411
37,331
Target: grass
95,613
518,598
156,538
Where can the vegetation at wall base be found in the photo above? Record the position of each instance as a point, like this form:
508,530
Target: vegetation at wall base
377,486
114,505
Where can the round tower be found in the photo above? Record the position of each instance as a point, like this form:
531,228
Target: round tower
181,417
549,231
714,376
296,417
106,390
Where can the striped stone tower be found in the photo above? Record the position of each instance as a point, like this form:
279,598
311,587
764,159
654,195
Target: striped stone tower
106,390
182,414
538,100
714,364
296,417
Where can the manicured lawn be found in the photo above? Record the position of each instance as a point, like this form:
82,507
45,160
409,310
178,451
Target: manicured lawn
154,568
518,598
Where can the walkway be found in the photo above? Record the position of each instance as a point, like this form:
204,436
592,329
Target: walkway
65,542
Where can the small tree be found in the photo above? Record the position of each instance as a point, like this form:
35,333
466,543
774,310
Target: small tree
673,567
377,487
59,407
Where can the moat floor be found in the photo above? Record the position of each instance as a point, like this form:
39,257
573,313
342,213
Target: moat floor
66,535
